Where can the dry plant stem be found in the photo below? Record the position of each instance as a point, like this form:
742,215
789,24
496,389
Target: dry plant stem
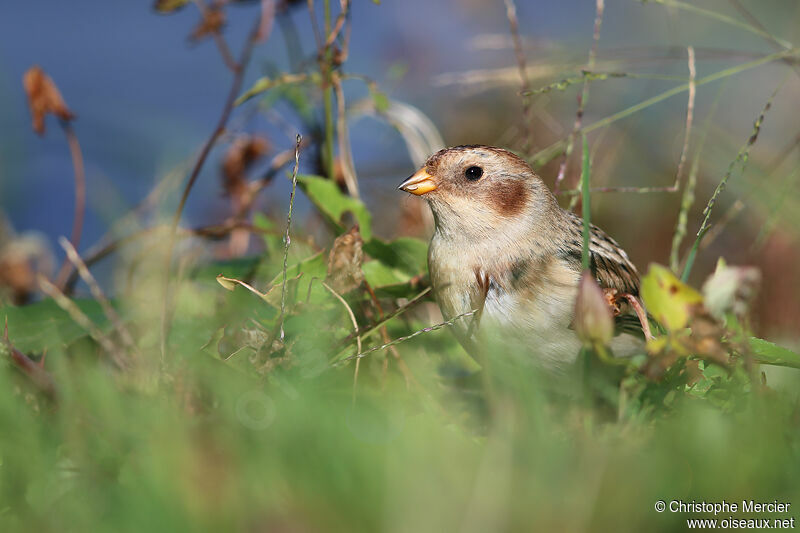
740,203
675,187
339,24
80,198
385,336
219,40
225,52
35,372
726,19
583,96
236,87
314,25
267,19
548,153
326,67
220,128
366,332
519,52
355,330
349,312
689,117
640,313
105,245
407,337
98,294
742,157
345,152
287,237
117,356
215,231
99,252
688,197
754,22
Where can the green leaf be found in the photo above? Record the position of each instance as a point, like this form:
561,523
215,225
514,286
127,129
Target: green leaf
405,255
298,278
381,101
273,243
169,6
379,275
36,327
668,299
394,266
771,354
266,83
333,203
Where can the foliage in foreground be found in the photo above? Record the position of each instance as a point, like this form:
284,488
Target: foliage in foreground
238,427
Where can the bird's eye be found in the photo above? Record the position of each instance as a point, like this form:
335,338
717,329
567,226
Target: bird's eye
473,173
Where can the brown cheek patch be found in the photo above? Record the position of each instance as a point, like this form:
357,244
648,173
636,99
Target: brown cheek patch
509,197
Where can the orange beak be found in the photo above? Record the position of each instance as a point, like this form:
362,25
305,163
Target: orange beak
420,183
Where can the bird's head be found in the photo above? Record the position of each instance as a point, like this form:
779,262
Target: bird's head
479,190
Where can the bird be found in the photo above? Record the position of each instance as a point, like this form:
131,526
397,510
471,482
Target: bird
507,258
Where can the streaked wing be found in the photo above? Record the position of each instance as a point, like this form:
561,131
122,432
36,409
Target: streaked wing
611,268
609,263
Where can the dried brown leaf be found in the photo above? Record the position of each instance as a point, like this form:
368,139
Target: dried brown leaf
169,6
212,22
243,152
345,260
43,98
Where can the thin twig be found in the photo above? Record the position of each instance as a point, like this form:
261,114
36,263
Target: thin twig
688,197
741,157
220,128
84,321
288,238
37,374
640,313
345,152
689,117
519,52
369,330
552,151
225,52
593,76
80,198
586,199
776,42
339,24
236,87
726,19
355,330
582,97
98,294
675,187
219,39
326,67
407,337
407,375
105,245
214,231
